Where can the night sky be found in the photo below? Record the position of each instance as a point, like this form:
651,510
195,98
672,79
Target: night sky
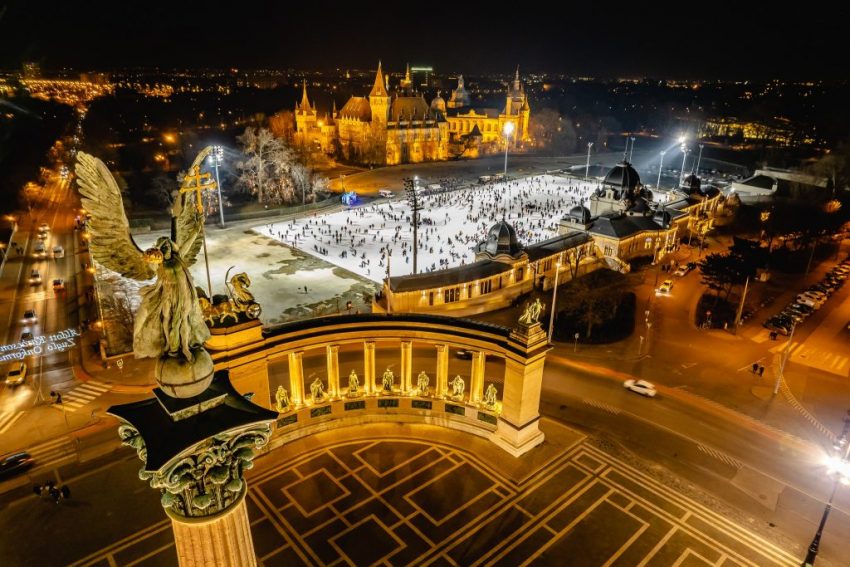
681,40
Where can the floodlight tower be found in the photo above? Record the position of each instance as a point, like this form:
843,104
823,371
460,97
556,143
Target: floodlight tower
411,188
216,157
507,130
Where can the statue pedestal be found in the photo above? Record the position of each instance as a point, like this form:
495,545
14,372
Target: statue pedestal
517,430
223,540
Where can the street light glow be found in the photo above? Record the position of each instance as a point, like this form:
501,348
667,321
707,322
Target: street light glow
508,128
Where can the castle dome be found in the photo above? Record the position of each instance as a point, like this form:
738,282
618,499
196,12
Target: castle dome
579,214
501,239
622,176
438,104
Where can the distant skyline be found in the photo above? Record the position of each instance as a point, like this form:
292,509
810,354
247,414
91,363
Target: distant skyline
708,40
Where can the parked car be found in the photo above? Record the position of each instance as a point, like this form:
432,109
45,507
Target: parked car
58,252
682,271
15,463
17,374
641,387
665,287
30,316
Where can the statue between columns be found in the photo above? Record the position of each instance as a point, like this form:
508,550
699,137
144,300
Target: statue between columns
458,386
422,382
317,390
490,400
387,381
281,398
353,384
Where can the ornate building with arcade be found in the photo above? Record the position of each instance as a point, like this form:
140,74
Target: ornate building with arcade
397,125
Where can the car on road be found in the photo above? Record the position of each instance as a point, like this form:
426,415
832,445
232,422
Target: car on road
15,463
665,287
30,316
16,374
58,252
58,284
44,227
463,354
35,277
26,336
641,387
682,271
43,235
39,251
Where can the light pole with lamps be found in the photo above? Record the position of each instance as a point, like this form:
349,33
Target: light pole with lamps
587,165
554,299
660,167
216,157
507,130
699,159
631,151
684,149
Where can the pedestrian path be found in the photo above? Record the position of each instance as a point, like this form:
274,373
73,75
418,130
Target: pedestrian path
8,419
52,453
82,395
821,359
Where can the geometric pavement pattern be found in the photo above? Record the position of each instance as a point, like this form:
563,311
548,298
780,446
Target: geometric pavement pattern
409,502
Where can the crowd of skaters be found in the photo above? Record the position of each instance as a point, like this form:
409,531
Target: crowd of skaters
451,224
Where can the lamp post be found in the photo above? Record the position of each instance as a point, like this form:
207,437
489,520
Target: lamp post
840,467
587,165
660,167
554,299
784,360
699,159
412,190
631,151
216,157
684,149
507,129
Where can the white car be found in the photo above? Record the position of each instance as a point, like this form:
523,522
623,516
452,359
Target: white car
641,387
44,227
35,278
58,252
665,287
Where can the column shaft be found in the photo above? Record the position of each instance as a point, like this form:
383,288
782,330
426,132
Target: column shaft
406,366
442,370
224,541
476,381
332,355
296,377
369,366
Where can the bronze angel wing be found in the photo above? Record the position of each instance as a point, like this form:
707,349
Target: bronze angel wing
112,244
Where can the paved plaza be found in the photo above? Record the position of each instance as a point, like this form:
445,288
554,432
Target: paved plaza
452,224
372,498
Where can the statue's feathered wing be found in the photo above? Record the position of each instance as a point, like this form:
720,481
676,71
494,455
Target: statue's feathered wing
112,246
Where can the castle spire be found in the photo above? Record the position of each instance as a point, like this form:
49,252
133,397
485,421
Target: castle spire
378,89
305,103
517,86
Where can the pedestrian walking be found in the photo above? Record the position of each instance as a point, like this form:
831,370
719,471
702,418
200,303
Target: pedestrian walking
755,367
761,371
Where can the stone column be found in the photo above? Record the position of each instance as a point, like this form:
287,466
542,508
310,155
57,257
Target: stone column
369,366
332,355
224,539
296,377
517,430
476,380
442,370
406,366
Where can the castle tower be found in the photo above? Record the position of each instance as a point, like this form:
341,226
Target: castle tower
379,100
305,114
406,83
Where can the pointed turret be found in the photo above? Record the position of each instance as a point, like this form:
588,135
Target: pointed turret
305,103
379,89
516,80
406,83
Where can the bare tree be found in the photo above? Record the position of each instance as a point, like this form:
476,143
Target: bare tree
162,190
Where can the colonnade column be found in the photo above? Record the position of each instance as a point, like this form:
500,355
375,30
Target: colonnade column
406,366
369,366
476,380
332,354
442,370
296,377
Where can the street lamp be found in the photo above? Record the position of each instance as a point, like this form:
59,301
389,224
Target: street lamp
507,129
554,299
216,157
684,149
631,151
587,165
699,159
660,167
839,467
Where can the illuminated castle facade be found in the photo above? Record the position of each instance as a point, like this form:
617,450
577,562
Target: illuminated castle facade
388,128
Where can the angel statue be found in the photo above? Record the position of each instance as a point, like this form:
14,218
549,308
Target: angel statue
169,323
532,313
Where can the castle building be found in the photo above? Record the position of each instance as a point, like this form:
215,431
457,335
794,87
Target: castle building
400,126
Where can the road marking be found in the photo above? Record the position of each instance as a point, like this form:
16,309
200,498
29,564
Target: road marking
8,419
51,453
82,395
603,406
721,456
